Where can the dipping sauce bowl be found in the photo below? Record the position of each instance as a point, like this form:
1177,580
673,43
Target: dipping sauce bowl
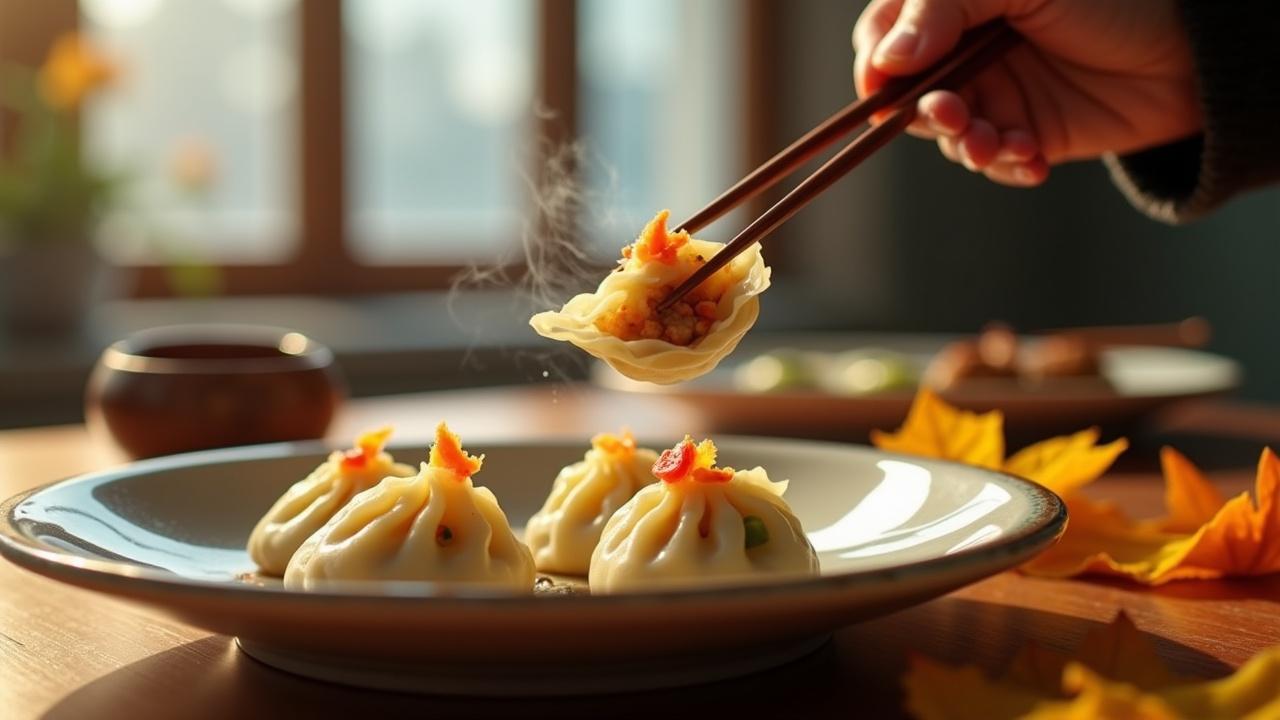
191,387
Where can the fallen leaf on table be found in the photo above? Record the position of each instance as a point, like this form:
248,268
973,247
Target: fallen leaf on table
1115,673
1201,536
1066,464
1239,538
935,429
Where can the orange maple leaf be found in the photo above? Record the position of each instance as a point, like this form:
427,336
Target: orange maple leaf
1238,538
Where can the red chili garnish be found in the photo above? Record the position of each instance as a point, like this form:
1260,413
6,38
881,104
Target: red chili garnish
712,475
447,453
355,459
368,445
675,463
656,244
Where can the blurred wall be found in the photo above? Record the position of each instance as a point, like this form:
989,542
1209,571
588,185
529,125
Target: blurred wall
912,242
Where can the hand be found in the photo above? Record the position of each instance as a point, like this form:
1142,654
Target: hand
1090,77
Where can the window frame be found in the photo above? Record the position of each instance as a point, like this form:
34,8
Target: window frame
321,262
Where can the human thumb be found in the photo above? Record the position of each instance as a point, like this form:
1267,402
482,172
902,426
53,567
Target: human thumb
927,29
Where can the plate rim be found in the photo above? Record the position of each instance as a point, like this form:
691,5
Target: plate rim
1035,532
603,377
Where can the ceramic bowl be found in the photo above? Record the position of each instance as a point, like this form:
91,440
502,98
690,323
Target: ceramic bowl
191,387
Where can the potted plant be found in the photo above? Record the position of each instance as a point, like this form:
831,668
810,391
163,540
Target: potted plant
50,196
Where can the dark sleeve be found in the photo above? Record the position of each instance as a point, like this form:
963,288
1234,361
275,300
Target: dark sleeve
1236,44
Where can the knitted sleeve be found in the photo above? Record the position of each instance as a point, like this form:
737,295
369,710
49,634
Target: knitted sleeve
1236,46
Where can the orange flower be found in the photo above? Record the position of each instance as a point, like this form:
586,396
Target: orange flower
73,69
194,164
1115,673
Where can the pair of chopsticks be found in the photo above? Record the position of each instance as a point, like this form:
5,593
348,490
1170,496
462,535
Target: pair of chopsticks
977,49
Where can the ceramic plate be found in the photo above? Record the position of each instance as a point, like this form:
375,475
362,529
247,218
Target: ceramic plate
170,534
1140,381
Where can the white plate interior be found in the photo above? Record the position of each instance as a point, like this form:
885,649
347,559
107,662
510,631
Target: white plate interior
190,516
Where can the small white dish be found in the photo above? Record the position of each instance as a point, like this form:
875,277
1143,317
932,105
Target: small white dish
891,531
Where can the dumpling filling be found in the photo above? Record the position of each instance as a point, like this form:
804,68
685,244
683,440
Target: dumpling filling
686,321
619,322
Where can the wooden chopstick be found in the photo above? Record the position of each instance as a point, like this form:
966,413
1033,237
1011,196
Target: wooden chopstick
975,50
1193,332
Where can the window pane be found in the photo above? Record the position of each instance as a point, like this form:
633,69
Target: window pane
439,99
660,109
204,122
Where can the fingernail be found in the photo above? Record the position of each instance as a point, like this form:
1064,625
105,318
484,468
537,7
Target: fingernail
899,44
1024,175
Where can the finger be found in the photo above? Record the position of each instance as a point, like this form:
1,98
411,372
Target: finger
999,99
925,30
950,149
1016,146
979,144
943,112
874,22
1019,174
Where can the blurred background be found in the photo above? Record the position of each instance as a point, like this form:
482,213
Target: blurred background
333,166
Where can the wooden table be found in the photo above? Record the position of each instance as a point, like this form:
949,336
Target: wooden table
68,653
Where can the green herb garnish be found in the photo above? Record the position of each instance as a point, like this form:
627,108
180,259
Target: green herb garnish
757,533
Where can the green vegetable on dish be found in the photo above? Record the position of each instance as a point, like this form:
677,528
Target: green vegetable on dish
757,533
871,370
781,369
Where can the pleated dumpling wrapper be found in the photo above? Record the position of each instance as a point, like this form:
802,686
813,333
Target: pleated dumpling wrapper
564,533
310,502
618,322
701,525
433,527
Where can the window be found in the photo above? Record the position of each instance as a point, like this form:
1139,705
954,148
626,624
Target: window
660,109
439,103
202,121
322,146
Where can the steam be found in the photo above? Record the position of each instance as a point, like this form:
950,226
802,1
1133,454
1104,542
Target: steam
553,259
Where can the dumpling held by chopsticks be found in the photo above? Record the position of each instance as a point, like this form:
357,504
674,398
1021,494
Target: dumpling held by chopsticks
619,323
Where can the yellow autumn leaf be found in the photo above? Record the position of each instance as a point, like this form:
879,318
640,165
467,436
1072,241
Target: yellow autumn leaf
1094,697
1066,464
937,430
1201,536
1115,673
1240,538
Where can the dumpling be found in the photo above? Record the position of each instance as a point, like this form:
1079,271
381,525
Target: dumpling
564,533
435,526
617,323
313,500
700,525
